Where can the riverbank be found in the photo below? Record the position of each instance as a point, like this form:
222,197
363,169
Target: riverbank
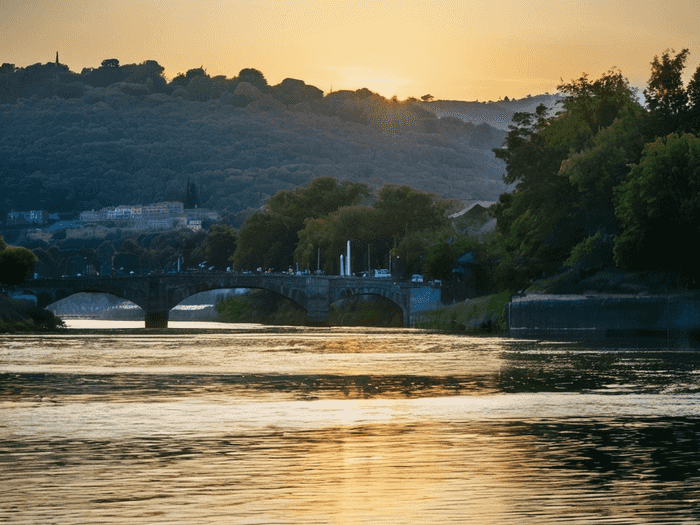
18,316
481,315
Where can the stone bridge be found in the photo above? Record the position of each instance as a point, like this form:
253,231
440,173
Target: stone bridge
158,294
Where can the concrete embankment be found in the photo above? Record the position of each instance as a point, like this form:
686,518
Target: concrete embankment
604,316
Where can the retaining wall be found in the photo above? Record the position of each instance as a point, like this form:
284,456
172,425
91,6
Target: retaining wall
597,316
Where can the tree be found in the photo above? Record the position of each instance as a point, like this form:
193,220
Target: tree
316,237
597,170
427,98
659,208
16,264
254,78
402,221
403,209
219,246
441,256
321,196
538,220
191,198
592,106
284,216
266,240
666,97
200,88
196,72
693,90
564,167
150,69
110,63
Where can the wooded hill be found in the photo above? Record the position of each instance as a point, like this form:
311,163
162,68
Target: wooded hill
125,135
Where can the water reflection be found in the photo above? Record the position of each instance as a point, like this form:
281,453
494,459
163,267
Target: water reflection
548,471
344,426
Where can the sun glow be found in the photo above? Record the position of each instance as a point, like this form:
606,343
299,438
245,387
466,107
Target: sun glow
381,78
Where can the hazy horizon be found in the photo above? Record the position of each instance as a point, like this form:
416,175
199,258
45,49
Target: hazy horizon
481,51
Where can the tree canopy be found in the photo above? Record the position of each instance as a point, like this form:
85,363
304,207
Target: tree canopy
395,225
284,216
604,165
16,264
296,226
659,207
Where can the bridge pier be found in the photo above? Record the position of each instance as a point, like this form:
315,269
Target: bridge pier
157,318
317,317
318,304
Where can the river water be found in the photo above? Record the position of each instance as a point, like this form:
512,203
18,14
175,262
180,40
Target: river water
249,424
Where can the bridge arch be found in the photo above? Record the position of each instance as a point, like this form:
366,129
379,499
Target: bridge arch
158,294
89,305
181,294
364,307
388,291
47,297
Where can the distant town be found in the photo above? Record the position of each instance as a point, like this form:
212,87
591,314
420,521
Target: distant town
171,215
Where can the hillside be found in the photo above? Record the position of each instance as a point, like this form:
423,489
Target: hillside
496,114
70,146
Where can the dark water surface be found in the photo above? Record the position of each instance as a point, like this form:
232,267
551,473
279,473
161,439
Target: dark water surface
344,426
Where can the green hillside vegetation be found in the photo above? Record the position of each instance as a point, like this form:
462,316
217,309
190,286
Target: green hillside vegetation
123,134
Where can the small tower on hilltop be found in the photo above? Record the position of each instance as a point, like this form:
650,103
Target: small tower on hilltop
57,62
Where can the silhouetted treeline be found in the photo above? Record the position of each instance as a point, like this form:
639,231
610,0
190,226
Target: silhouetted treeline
52,79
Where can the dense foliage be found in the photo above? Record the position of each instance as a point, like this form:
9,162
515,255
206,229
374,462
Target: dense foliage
318,220
16,264
605,166
148,252
122,134
659,207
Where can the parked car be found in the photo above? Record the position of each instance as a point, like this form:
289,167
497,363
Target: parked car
416,278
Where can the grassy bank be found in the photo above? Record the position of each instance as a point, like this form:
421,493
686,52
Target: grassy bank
480,315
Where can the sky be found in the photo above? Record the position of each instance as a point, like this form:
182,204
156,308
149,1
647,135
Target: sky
451,49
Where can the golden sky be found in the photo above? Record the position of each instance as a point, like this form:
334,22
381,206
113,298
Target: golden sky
454,50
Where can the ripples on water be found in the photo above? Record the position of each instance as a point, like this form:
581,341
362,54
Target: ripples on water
344,426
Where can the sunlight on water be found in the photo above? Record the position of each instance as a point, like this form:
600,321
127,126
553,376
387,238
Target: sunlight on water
255,424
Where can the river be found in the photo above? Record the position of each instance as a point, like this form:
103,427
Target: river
210,423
